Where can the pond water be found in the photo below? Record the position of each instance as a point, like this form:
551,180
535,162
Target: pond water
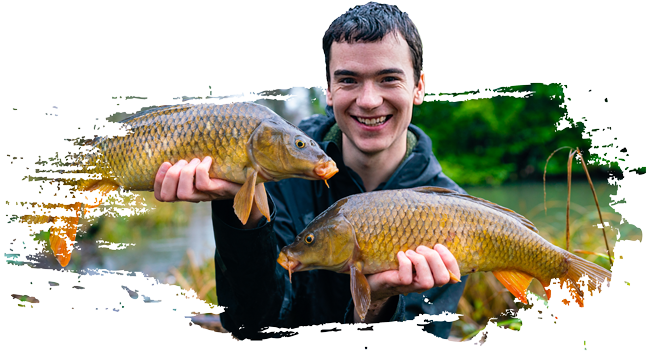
156,255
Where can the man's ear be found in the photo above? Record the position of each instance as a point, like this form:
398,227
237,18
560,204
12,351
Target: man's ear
419,94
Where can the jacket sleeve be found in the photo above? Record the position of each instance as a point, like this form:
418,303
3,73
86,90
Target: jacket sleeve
250,283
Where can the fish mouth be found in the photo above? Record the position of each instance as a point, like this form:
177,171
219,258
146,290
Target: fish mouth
291,265
372,121
324,170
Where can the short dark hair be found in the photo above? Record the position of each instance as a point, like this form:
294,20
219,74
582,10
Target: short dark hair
370,23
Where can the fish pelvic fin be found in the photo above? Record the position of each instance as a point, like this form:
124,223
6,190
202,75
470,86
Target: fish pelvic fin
577,268
360,290
261,199
515,281
242,203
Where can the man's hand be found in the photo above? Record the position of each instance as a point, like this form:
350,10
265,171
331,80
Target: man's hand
431,270
191,182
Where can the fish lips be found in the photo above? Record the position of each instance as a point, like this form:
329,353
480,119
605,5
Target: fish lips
326,169
288,263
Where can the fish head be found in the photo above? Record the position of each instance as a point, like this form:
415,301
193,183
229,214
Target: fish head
328,243
281,150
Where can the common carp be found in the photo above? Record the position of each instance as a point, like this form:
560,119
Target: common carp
362,234
248,143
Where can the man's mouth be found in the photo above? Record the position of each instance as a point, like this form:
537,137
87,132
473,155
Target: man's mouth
375,121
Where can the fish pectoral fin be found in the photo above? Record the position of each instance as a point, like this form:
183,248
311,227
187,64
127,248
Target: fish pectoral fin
453,278
242,203
261,199
515,281
360,290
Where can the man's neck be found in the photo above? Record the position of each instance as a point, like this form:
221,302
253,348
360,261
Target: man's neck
377,168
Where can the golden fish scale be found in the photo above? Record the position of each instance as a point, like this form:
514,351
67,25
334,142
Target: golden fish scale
480,238
181,132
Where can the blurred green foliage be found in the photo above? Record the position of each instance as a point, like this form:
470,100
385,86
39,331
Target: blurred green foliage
503,138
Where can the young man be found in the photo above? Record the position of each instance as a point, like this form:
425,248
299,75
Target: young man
373,61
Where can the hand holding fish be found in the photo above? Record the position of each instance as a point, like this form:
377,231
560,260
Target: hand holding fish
191,182
418,271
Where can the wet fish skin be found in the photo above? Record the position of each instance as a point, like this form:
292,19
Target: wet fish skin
249,144
362,234
238,136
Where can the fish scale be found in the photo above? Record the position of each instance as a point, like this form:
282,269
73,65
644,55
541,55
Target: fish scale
482,236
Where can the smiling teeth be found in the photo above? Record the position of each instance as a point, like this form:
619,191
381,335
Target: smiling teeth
373,122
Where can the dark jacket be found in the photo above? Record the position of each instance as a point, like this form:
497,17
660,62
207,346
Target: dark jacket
256,291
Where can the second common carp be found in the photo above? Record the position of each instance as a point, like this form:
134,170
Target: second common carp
249,144
362,234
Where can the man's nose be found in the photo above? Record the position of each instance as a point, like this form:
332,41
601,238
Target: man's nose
369,97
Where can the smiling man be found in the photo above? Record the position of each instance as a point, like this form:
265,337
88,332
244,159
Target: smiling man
373,59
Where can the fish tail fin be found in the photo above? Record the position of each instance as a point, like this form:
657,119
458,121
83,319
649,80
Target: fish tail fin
61,235
577,268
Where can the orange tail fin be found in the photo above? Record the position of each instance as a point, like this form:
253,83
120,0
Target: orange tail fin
579,267
62,236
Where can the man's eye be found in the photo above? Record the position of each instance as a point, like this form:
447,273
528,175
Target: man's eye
390,79
347,80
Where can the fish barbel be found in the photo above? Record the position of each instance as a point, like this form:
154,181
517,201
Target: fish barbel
249,144
362,234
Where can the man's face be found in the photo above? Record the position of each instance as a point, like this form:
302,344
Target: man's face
372,92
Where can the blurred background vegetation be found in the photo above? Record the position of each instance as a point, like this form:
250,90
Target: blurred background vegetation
495,148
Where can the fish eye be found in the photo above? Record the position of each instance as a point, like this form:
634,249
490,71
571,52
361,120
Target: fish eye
309,238
300,144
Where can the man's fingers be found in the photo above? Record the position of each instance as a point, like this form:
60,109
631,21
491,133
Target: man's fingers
159,178
185,189
203,181
423,273
449,260
170,183
436,265
405,269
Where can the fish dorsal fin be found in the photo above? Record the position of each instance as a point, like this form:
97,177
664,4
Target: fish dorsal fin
360,290
444,191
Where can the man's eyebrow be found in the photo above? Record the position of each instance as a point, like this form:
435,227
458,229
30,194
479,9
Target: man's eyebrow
345,72
390,71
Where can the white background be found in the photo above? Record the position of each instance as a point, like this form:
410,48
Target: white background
77,56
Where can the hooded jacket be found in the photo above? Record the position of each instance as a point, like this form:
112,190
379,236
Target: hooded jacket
256,291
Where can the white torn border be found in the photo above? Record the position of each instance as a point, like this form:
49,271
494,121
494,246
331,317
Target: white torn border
113,246
66,63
